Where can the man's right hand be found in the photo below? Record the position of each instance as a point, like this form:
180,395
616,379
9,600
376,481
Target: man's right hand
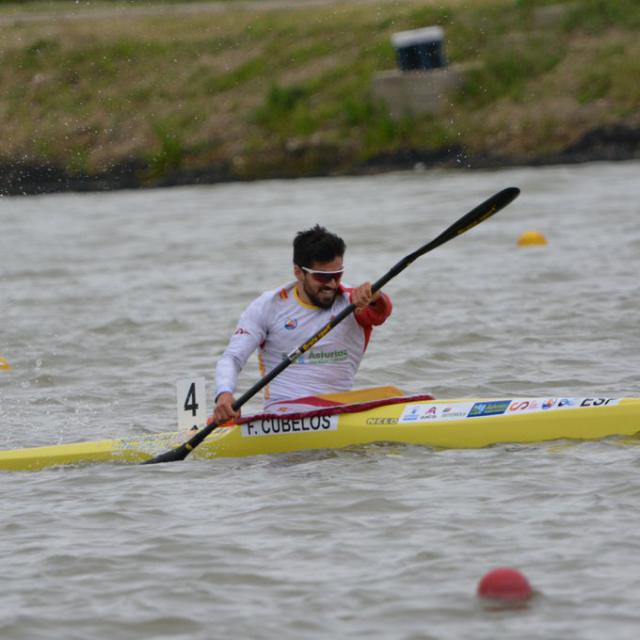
224,409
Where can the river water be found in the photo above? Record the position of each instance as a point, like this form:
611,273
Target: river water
107,299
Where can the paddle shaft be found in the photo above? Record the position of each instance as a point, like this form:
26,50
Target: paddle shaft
468,221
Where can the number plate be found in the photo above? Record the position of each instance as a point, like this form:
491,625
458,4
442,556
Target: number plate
192,403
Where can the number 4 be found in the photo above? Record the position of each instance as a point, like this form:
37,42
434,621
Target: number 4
190,403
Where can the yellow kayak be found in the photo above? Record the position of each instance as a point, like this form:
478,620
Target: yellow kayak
416,420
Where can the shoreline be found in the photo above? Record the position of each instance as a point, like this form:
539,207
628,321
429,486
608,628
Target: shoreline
615,143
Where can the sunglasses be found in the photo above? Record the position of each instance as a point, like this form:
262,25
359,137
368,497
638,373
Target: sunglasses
324,276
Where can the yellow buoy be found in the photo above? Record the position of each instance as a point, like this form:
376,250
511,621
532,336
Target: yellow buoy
4,365
531,238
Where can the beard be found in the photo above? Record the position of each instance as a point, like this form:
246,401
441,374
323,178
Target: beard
323,298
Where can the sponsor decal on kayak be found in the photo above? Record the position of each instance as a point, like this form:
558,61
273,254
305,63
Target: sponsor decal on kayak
382,420
599,402
419,413
277,426
489,408
545,404
456,411
426,412
523,405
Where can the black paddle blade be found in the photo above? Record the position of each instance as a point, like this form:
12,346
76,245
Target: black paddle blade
181,452
477,215
485,210
173,455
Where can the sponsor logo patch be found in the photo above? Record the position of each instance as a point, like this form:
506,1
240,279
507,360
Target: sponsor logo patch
529,405
598,402
322,357
427,412
457,411
411,414
489,408
291,324
379,421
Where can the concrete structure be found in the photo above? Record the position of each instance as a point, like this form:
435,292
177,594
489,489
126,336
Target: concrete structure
416,92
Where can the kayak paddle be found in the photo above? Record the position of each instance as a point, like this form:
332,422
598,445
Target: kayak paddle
468,221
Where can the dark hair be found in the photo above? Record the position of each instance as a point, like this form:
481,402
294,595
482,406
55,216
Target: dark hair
316,245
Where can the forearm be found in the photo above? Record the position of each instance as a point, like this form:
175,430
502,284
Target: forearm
235,356
248,335
227,372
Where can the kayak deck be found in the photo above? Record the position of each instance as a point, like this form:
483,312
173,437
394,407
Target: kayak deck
466,423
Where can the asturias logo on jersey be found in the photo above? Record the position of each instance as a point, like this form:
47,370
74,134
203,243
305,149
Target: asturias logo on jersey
326,357
321,357
291,324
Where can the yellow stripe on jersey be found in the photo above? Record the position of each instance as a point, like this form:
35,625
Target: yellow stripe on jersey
263,372
301,302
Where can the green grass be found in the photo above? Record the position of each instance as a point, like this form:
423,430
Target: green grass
596,16
285,110
508,68
169,156
613,74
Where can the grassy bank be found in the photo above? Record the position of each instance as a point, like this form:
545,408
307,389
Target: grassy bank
260,89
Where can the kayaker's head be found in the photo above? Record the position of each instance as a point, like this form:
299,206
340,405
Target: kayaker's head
317,265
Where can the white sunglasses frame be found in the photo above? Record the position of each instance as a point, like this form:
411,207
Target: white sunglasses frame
337,273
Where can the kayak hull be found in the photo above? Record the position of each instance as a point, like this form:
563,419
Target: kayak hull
457,424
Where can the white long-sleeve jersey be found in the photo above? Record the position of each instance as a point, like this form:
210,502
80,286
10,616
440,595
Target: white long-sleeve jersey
277,323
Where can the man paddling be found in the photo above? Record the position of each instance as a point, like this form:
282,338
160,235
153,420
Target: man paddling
279,320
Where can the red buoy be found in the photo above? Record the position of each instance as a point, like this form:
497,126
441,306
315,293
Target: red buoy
505,584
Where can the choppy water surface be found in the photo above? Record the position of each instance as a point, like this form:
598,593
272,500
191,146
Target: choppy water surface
107,299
